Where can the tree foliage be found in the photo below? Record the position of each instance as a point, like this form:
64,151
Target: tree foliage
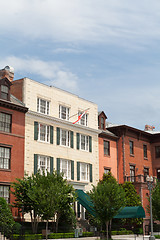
132,198
43,196
108,197
6,219
156,201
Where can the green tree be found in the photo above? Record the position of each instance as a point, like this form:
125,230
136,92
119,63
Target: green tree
132,199
156,201
108,197
6,219
23,190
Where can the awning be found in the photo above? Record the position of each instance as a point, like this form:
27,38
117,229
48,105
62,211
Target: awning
85,200
131,212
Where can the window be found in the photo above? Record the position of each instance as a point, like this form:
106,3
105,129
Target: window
4,92
43,132
65,167
4,192
84,172
42,106
158,174
63,112
157,149
43,164
131,147
132,173
4,158
5,122
107,170
146,173
102,123
106,145
64,137
84,140
145,151
84,120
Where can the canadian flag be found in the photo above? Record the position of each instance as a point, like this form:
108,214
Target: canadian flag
80,116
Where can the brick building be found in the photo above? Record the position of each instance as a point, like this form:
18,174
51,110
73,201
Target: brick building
12,135
108,158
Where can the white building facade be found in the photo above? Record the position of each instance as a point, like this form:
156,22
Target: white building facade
52,141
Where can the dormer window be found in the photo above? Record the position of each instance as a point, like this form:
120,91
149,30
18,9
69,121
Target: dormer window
102,123
4,92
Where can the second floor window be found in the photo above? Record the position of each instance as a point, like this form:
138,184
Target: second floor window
145,151
65,168
4,192
63,112
43,132
131,145
107,170
106,145
43,164
42,106
157,151
5,122
84,172
64,137
4,158
132,173
146,173
84,142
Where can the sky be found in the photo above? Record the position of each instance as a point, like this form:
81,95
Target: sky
106,51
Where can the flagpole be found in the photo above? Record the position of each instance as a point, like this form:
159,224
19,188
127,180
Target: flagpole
77,113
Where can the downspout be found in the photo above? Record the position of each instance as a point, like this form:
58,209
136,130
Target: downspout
124,163
117,161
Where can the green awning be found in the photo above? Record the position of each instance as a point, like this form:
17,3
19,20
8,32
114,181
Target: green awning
85,200
131,212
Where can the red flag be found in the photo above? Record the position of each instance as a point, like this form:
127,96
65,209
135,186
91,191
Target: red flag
80,116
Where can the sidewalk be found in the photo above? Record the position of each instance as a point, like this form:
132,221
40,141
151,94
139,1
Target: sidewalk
116,237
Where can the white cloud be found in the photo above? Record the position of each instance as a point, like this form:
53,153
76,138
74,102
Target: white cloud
67,50
82,20
54,73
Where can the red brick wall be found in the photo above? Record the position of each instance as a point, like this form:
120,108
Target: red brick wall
16,140
17,89
107,161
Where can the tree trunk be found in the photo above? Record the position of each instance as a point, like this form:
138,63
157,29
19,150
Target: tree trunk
46,229
57,221
107,230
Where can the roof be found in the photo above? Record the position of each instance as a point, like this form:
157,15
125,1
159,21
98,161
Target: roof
108,133
102,112
16,101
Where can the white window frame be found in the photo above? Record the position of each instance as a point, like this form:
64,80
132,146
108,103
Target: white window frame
86,142
66,171
64,115
84,172
5,155
43,164
65,137
46,132
84,120
46,107
4,192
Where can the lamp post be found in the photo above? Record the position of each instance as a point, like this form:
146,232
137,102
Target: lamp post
150,186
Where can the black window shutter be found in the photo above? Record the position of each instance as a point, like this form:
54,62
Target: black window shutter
90,172
58,165
72,142
51,134
78,171
51,164
72,170
35,163
58,135
90,143
35,130
77,140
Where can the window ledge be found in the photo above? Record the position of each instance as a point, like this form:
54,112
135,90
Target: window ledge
5,170
145,158
106,155
131,155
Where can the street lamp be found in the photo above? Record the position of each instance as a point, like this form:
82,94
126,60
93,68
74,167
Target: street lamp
150,186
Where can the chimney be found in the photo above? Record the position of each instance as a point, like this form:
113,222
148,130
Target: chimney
149,128
7,72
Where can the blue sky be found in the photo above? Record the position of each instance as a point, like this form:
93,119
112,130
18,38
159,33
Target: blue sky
106,51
